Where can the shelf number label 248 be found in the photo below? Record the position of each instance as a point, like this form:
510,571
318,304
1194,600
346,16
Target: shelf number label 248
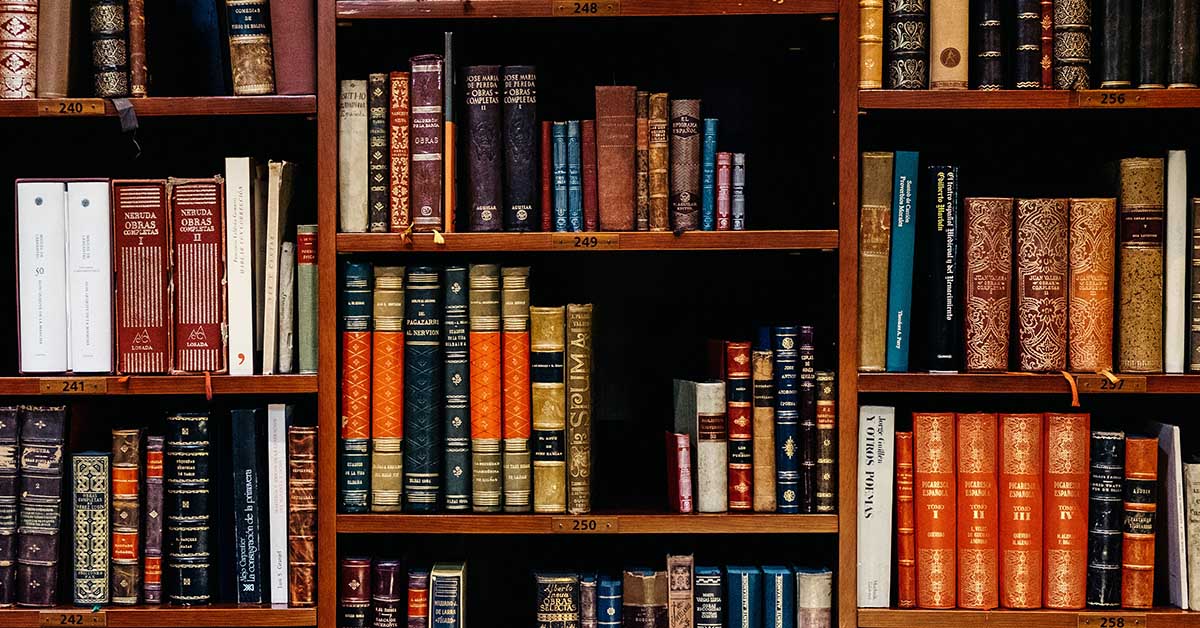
586,9
1111,620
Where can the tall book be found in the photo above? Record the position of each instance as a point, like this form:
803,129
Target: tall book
418,598
587,600
988,46
561,207
1064,565
870,44
484,158
899,303
546,155
739,428
608,602
659,153
293,42
807,425
188,518
1191,498
520,147
874,245
198,276
978,563
239,263
399,152
1176,257
814,597
287,308
1041,278
278,417
42,276
1047,32
1091,244
354,484
1106,514
456,413
354,593
709,598
943,273
907,26
89,511
680,591
779,597
126,516
763,427
54,58
644,601
449,133
1193,348
302,515
1140,263
387,594
487,393
988,290
1173,541
579,408
448,594
574,176
40,503
642,160
710,220
1182,44
378,156
306,297
141,269
685,165
558,600
1027,60
934,501
427,124
906,527
110,53
1116,21
249,504
352,156
785,349
279,200
9,457
250,54
616,140
591,195
1141,504
1020,485
387,389
1072,44
514,311
89,276
949,23
1151,53
423,361
152,520
700,413
876,436
743,599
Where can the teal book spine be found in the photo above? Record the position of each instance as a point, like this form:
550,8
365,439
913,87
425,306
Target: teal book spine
708,177
904,202
779,597
574,177
456,468
744,599
559,136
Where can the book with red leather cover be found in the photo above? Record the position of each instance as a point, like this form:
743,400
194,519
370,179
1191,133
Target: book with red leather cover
616,130
989,282
679,473
1041,278
198,237
399,199
740,431
978,567
1141,504
1020,485
906,549
427,123
141,263
591,207
1068,439
933,499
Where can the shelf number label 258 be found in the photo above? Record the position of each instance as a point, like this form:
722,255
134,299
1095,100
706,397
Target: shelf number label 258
586,9
59,618
1111,620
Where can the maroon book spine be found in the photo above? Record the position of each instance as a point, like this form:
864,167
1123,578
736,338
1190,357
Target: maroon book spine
197,208
294,41
724,190
426,98
679,469
1047,44
547,176
141,256
591,201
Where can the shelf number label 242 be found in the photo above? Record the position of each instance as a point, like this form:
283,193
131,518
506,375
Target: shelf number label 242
59,618
1111,620
586,9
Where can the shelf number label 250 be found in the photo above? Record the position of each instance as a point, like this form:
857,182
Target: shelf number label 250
1111,620
584,525
59,618
586,9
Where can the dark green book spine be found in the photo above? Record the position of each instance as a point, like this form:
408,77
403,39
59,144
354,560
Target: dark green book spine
457,381
422,389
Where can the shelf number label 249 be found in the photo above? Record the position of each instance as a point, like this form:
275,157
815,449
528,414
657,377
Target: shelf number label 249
586,9
1111,620
587,241
59,618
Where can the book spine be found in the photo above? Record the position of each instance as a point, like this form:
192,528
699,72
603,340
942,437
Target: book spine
418,599
608,603
278,416
711,446
949,23
1175,262
487,394
989,46
587,601
744,597
354,593
188,522
9,455
870,44
907,56
1141,502
89,272
724,186
90,511
1047,32
1041,278
591,200
814,598
1194,292
904,204
710,598
110,60
679,471
19,45
645,600
944,278
763,429
1020,502
579,408
428,128
1140,263
685,164
988,283
126,546
199,274
616,141
558,600
826,443
659,151
807,427
933,499
293,42
779,597
516,372
456,416
250,56
737,201
1191,505
53,49
787,418
1116,43
1105,516
1072,44
352,156
449,133
484,145
142,252
738,425
874,246
574,177
40,503
680,591
546,155
1152,33
977,524
355,482
302,515
1065,561
642,156
240,257
306,296
1027,62
423,357
520,148
447,585
248,485
906,529
42,276
1182,46
1091,241
399,152
152,522
561,198
387,594
709,219
379,213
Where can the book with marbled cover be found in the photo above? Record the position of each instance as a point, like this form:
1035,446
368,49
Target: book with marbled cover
520,148
514,289
89,507
354,484
1020,502
1141,504
1041,278
988,261
302,515
484,146
1140,264
1066,499
423,358
579,408
740,431
126,515
387,389
487,394
642,155
456,413
933,498
42,430
978,565
1091,258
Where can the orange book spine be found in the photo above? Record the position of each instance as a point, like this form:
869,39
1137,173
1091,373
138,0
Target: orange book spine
933,499
487,396
978,562
356,384
1141,502
516,385
906,551
1020,513
387,385
1068,438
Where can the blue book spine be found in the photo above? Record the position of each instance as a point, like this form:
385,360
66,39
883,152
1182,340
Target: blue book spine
708,176
456,476
247,504
710,598
784,343
422,389
559,138
445,599
779,597
608,603
574,177
355,464
744,598
904,202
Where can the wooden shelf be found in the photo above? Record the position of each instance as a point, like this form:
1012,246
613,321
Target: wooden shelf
604,524
1041,618
1030,99
389,9
171,106
998,383
588,241
159,384
171,616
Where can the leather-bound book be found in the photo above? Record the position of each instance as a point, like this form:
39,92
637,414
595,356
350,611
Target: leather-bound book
807,425
558,600
187,510
679,473
709,598
988,261
137,49
574,176
141,237
1193,343
447,592
126,484
786,368
198,236
561,209
1116,24
1182,46
427,138
724,186
870,44
1072,44
685,165
399,199
1140,260
352,156
418,598
423,399
354,593
302,515
1105,519
456,381
354,456
579,408
743,599
642,160
907,44
616,139
110,53
1066,499
763,428
1020,486
250,56
608,602
152,517
906,527
449,133
943,271
737,192
700,413
874,247
546,154
53,38
387,594
658,142
1027,59
644,603
779,597
520,148
487,394
39,508
387,389
514,310
1091,257
484,146
1152,34
738,425
949,26
1047,62
9,455
379,210
680,591
814,598
988,46
1141,502
978,564
89,513
293,40
934,483
251,489
591,201
1041,278
709,218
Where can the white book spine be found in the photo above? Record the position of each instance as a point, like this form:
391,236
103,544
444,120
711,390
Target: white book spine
1176,297
699,412
42,274
287,307
352,156
277,496
259,209
1191,493
876,473
278,198
89,276
239,263
1171,461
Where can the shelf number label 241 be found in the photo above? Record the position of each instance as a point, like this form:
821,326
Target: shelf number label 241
586,9
1111,620
59,618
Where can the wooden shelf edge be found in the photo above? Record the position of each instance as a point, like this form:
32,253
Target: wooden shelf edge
1029,99
166,384
172,616
157,106
1041,618
1000,383
391,9
820,239
386,523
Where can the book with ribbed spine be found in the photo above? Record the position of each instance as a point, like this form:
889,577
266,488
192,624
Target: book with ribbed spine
743,599
934,485
943,275
680,591
587,601
428,142
642,157
616,142
826,443
110,55
447,595
904,227
379,210
1066,462
249,504
546,155
978,564
579,408
575,217
152,518
786,369
1019,480
1140,266
423,358
685,164
520,147
608,602
874,246
870,44
250,56
418,598
659,154
1041,229
484,146
356,309
1105,515
679,472
763,429
987,44
1027,57
487,393
9,456
700,413
187,511
906,527
1141,504
709,219
739,421
302,515
988,264
42,430
198,274
907,26
807,425
354,593
737,192
709,598
514,309
126,516
387,594
352,156
456,413
645,598
724,186
399,152
89,508
1072,44
559,161
306,297
779,597
558,600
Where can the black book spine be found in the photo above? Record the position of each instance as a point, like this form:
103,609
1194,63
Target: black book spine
378,194
1116,43
942,275
248,493
8,504
989,45
387,594
484,146
710,604
907,44
1027,62
39,515
187,509
1072,44
521,136
1181,58
90,475
1151,53
558,600
110,55
422,389
808,421
354,593
1105,514
457,381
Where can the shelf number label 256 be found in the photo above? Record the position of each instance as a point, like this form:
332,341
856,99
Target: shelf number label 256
586,9
59,618
1111,620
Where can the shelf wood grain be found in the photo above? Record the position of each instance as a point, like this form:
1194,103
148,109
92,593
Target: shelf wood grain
166,384
197,106
605,524
173,616
390,9
1041,618
824,239
1030,99
1000,383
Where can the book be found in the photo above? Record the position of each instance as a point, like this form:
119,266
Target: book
1140,264
1020,502
1193,349
42,276
354,593
1091,243
933,498
198,275
948,33
520,148
1151,54
743,600
514,310
110,54
89,276
874,246
724,186
239,264
379,212
1141,504
152,516
587,601
90,513
987,43
814,598
293,41
709,598
1047,31
352,156
807,425
53,51
763,427
287,308
680,591
449,132
387,593
1116,43
306,297
126,459
141,256
1175,257
1191,505
302,515
42,430
591,198
1072,44
188,519
279,200
978,560
876,436
1170,465
250,53
387,389
1182,45
906,529
907,43
943,277
574,177
870,44
700,413
659,153
249,507
738,425
447,595
9,460
278,417
484,145
418,598
579,408
427,129
423,388
1027,59
1105,516
709,219
1041,280
354,485
685,164
399,152
644,601
737,193
558,600
785,352
608,602
258,205
1066,463
779,597
679,473
900,266
561,207
487,394
616,140
547,156
642,160
456,413
988,252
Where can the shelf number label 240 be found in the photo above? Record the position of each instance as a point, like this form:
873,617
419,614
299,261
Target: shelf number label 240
71,107
59,618
586,9
1111,620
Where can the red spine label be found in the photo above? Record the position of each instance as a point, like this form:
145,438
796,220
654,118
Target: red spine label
306,247
141,258
199,273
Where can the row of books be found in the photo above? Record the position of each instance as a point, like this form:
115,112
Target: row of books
1000,511
1032,44
211,47
165,276
645,162
379,593
1042,272
442,369
151,514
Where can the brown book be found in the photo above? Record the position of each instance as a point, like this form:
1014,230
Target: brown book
978,527
302,515
587,145
1140,347
933,500
660,161
294,41
874,246
949,22
137,48
54,47
126,471
398,117
1020,501
616,130
1090,283
579,408
1041,278
250,57
644,600
763,395
642,160
870,44
548,408
387,389
427,143
19,48
685,164
989,282
1068,441
906,529
1141,504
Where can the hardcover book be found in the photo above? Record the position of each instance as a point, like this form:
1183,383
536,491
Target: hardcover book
709,598
1182,44
302,515
423,360
379,213
1151,53
870,44
943,277
387,594
418,598
1191,505
1172,545
188,519
608,602
876,430
814,598
1175,263
574,176
1072,44
89,276
700,413
949,23
1116,43
399,152
484,145
279,200
487,394
198,277
1091,257
42,235
293,40
126,516
642,160
680,591
616,140
141,238
988,46
785,349
456,413
352,156
520,148
737,193
1027,60
763,428
744,599
724,186
1105,519
278,417
306,297
739,428
1020,503
685,165
20,46
514,311
1066,463
287,308
240,260
152,519
709,218
427,142
899,303
354,593
907,27
1140,263
933,495
561,197
1041,277
546,155
40,503
679,473
89,506
579,408
978,563
447,595
988,258
779,597
587,600
110,54
645,598
250,57
9,457
1141,504
558,600
807,426
874,245
53,48
906,529
249,507
591,200
353,451
659,153
1193,348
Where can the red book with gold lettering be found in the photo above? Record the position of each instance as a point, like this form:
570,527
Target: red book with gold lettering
978,565
591,198
141,259
198,238
739,407
934,483
398,118
1020,487
906,552
1141,503
1068,439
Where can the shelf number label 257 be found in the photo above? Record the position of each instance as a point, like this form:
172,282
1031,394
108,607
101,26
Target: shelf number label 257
59,618
1111,620
586,9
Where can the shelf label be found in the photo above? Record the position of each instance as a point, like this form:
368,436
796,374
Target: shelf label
587,241
1108,98
73,385
585,525
1093,383
571,8
75,618
71,107
1117,619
